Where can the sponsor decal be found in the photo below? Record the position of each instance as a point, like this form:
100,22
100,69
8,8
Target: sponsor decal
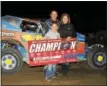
9,34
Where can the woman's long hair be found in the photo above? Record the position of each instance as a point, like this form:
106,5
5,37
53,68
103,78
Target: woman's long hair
65,14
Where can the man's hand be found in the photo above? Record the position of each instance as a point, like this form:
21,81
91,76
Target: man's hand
47,38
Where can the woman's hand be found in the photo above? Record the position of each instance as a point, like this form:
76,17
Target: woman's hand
68,38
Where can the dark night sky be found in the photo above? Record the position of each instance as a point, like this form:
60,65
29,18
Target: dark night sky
86,16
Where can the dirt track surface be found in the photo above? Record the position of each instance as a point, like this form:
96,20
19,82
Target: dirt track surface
80,74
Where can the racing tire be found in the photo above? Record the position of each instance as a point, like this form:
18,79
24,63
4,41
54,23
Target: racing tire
11,61
97,58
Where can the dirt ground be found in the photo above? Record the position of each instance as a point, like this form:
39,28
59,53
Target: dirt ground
80,74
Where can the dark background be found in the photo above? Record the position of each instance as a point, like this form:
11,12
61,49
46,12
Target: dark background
86,16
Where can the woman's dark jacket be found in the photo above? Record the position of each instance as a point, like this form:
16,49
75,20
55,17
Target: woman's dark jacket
67,30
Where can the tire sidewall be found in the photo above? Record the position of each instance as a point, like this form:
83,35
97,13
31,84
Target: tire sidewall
95,57
18,58
90,57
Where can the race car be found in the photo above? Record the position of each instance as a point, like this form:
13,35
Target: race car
22,41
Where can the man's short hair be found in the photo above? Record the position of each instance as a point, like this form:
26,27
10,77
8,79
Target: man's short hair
54,23
53,11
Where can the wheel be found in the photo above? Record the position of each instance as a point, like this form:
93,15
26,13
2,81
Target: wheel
97,58
11,61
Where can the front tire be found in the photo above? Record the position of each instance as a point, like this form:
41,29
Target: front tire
11,61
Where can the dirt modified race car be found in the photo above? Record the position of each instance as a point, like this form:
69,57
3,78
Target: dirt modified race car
22,42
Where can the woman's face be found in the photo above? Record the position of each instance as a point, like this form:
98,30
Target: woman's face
65,19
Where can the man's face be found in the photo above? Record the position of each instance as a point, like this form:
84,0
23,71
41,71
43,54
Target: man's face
54,15
54,27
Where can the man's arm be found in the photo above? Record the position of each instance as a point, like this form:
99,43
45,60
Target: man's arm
47,22
58,36
46,36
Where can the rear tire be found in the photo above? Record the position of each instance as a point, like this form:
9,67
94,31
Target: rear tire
11,61
97,58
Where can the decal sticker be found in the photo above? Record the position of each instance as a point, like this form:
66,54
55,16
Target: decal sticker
9,34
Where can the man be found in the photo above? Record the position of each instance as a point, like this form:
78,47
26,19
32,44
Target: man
50,69
53,19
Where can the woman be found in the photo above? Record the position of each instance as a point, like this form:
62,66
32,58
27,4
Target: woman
67,31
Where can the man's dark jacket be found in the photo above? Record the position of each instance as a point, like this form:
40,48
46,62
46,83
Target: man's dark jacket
50,21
